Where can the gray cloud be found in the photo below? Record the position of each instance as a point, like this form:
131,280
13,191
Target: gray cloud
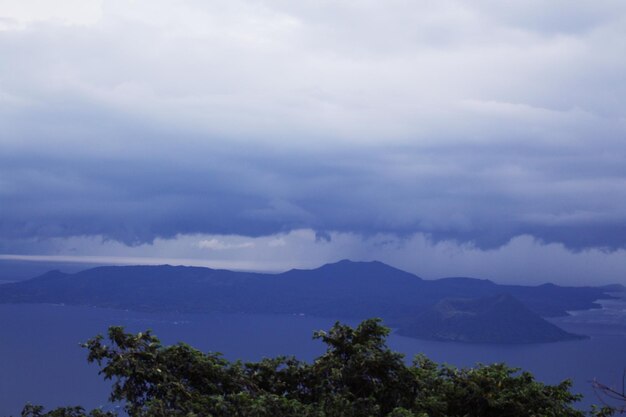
523,260
467,122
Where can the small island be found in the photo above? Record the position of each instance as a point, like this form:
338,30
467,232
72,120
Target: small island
497,319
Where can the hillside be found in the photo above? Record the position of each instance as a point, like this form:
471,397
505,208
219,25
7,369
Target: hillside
497,319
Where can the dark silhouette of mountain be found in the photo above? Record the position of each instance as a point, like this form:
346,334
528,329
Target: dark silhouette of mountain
495,319
344,289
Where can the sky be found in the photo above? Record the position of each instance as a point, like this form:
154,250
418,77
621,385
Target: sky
447,138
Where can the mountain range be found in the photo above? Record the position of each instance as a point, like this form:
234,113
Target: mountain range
443,309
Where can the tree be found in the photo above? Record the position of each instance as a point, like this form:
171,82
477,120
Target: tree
357,376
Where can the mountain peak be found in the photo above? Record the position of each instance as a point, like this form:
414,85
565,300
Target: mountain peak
367,266
53,274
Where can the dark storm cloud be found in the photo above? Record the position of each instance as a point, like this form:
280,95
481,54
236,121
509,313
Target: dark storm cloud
474,123
483,193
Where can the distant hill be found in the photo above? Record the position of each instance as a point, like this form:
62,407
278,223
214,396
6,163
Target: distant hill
496,319
614,288
345,289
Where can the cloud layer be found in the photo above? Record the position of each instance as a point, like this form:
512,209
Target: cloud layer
470,122
523,260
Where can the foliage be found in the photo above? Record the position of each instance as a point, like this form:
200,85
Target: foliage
357,376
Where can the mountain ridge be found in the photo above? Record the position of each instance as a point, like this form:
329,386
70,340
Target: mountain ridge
345,289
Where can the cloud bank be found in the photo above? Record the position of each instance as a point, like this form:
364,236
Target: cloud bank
523,260
474,123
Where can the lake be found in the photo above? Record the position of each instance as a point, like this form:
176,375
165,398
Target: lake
41,361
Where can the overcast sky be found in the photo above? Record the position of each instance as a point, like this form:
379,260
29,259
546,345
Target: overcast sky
481,138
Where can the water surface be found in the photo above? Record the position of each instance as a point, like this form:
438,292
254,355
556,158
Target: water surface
41,360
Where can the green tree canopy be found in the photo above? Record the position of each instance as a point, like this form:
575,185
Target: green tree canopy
358,375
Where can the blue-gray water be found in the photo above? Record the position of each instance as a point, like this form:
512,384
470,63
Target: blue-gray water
41,362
